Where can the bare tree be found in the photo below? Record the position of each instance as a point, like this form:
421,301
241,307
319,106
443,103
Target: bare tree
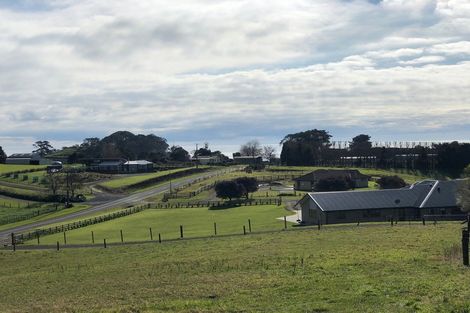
269,153
251,148
53,182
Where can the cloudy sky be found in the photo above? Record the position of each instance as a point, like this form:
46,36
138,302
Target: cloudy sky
226,71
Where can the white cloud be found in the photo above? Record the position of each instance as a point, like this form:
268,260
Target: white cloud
424,60
173,67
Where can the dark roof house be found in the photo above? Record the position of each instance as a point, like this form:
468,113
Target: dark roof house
423,198
307,182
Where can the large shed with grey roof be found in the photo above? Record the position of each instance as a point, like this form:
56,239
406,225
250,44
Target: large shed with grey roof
430,197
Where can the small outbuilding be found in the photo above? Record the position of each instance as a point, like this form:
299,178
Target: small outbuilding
27,159
307,182
138,166
430,197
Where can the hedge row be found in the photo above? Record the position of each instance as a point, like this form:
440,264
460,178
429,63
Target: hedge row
29,197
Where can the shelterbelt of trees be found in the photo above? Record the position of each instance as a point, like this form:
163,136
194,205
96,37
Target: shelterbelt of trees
314,147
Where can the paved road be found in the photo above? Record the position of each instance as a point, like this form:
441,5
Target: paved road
120,202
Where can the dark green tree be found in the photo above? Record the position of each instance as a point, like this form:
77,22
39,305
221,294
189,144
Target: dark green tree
43,147
305,148
229,189
178,154
3,155
452,158
250,184
360,145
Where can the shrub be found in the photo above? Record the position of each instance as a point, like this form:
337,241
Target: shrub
391,182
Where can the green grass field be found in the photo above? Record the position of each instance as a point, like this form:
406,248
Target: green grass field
8,168
197,222
373,268
59,213
130,180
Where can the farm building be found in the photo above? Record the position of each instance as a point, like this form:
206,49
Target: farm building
307,182
207,160
430,197
139,166
248,160
27,159
118,166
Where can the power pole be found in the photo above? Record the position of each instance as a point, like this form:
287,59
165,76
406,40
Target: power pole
195,155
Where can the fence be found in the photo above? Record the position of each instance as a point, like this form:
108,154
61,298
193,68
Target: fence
217,204
176,192
263,179
214,230
27,216
79,224
104,218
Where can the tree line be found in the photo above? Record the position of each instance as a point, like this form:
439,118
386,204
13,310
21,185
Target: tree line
314,147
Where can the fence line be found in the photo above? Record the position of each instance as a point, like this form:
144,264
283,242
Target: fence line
263,179
104,218
217,235
19,218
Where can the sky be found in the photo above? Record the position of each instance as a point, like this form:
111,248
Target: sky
228,71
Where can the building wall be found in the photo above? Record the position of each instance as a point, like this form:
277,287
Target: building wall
18,161
361,183
303,185
311,214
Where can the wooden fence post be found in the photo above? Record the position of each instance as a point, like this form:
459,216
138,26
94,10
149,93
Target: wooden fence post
215,229
159,238
151,234
249,225
92,237
424,221
104,243
37,234
244,230
181,232
122,238
65,238
465,246
285,222
58,246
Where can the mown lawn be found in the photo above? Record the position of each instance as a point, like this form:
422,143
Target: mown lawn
196,222
374,268
130,180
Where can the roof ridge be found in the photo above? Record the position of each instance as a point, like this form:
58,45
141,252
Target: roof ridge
429,194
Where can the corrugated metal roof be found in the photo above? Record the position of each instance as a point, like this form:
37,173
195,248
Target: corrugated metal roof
443,195
111,163
322,173
138,162
426,194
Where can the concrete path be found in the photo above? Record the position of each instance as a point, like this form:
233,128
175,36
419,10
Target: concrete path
123,201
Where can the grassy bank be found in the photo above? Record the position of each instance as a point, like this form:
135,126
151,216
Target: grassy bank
339,269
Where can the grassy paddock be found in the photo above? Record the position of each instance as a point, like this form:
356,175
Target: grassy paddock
8,168
134,179
338,269
196,222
